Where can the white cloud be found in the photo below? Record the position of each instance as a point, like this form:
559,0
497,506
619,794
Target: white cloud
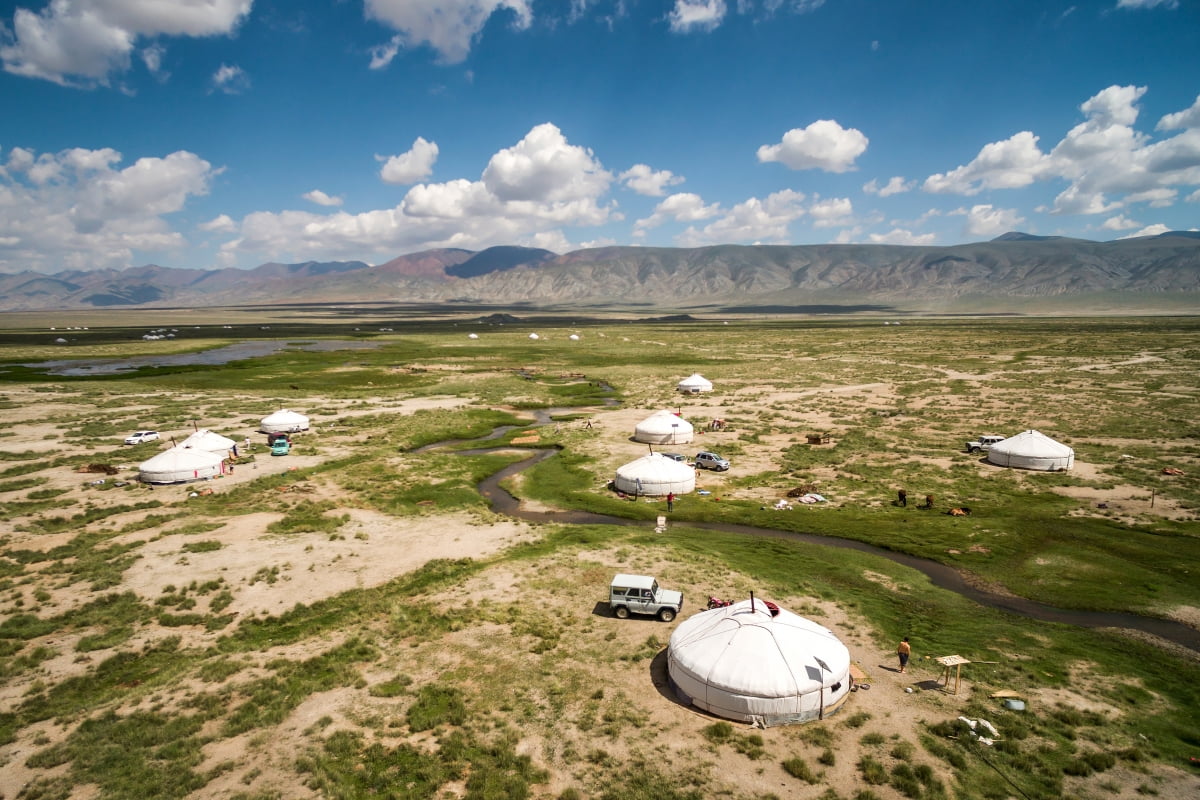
412,166
1188,118
1119,223
220,224
897,185
1194,197
832,212
901,236
986,220
1008,164
526,194
84,42
542,167
448,26
75,209
753,220
321,199
824,145
696,15
649,182
1149,230
680,207
1138,4
230,79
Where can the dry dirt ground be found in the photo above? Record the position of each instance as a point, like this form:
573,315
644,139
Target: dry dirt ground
374,549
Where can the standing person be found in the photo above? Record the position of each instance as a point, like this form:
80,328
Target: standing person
670,501
904,651
902,497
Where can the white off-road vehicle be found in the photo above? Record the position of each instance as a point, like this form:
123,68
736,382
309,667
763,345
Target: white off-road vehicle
984,442
641,594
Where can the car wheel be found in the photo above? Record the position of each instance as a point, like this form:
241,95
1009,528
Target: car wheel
666,614
621,612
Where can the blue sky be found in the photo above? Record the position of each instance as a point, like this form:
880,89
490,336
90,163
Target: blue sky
215,133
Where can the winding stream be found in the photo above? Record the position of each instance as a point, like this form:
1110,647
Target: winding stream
941,575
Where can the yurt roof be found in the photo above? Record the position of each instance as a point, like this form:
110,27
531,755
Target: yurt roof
696,379
180,458
204,439
656,467
1032,443
744,649
284,417
663,422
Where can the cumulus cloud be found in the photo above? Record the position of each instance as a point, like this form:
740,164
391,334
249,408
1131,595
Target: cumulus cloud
831,212
219,224
823,145
450,27
230,79
649,182
987,220
321,199
84,42
1149,230
680,207
526,193
902,236
1119,223
75,209
752,220
896,185
412,166
696,15
1104,160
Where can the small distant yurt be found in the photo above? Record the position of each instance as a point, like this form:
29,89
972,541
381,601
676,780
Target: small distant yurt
753,663
179,465
284,421
208,441
472,335
663,427
574,337
1032,450
534,336
694,384
655,475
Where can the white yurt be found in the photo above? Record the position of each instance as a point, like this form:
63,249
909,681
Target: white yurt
472,335
664,427
1032,450
694,384
208,441
655,475
574,337
284,421
179,465
750,663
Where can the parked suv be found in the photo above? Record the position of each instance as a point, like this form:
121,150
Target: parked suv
641,594
984,442
707,460
140,437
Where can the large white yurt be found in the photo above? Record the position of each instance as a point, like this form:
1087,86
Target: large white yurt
206,440
179,465
694,384
750,663
284,421
1032,450
655,475
664,427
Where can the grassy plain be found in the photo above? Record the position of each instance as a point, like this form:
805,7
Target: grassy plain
354,621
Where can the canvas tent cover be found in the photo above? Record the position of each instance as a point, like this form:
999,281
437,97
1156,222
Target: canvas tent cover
663,427
180,464
655,475
742,663
1032,450
695,383
284,421
209,441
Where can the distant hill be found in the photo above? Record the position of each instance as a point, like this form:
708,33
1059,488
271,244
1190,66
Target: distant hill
1015,273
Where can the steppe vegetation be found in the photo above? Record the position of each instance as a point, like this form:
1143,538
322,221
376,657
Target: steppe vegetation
354,620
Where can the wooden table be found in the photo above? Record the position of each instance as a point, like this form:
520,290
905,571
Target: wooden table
952,661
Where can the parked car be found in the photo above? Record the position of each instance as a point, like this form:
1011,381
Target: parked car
984,442
641,594
707,460
675,456
141,437
281,447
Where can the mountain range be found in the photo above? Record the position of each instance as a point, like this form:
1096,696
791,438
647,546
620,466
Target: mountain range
1013,273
